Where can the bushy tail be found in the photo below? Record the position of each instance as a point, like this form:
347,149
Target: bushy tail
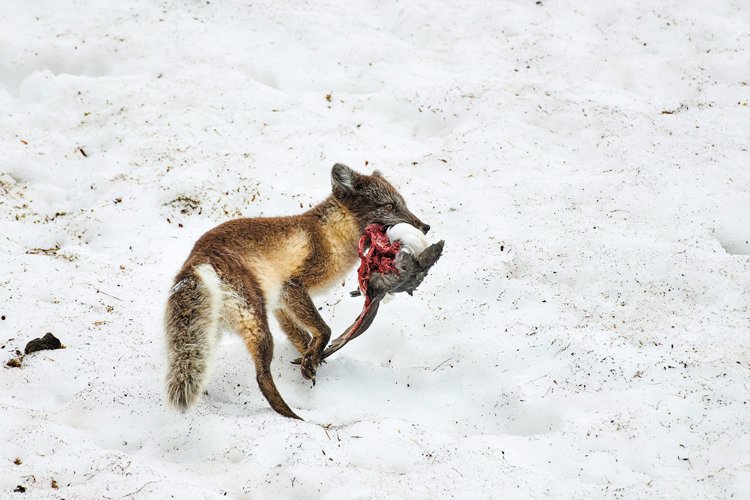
192,329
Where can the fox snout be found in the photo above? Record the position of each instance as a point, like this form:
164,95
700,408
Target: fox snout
414,221
425,228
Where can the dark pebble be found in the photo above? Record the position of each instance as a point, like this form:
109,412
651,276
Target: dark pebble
47,342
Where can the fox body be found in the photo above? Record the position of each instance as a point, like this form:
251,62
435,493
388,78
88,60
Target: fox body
243,269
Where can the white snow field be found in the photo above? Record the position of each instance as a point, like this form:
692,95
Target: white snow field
585,335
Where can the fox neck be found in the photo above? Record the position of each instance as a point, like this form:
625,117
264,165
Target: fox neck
333,213
341,226
340,231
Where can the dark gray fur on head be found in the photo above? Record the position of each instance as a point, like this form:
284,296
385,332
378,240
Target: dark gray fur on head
342,179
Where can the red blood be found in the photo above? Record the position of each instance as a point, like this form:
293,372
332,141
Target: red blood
379,258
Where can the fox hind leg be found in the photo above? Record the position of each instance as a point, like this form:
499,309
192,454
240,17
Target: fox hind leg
252,325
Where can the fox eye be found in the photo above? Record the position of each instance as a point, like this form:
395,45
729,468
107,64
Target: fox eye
388,206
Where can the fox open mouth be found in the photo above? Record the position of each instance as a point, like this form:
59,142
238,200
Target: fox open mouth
424,228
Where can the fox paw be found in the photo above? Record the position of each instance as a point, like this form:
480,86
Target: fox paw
309,366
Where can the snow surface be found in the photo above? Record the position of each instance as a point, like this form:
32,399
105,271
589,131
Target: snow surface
584,335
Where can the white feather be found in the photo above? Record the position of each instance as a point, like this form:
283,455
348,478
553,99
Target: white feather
412,240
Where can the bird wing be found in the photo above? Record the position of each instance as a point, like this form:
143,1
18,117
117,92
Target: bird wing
411,273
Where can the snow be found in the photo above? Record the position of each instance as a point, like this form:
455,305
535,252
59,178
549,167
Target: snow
585,333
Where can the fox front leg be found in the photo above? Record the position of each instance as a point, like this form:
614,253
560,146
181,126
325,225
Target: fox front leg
294,332
297,301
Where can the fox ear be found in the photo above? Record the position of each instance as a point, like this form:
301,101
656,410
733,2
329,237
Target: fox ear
343,177
377,173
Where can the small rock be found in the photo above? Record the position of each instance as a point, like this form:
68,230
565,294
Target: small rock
47,342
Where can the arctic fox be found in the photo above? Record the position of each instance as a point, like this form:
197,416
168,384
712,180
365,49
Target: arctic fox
243,269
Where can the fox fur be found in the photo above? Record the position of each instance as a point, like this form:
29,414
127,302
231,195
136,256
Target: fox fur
244,269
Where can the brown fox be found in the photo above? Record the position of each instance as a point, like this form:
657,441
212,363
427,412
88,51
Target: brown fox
241,270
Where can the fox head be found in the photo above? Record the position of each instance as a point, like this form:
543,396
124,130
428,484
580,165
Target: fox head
371,198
